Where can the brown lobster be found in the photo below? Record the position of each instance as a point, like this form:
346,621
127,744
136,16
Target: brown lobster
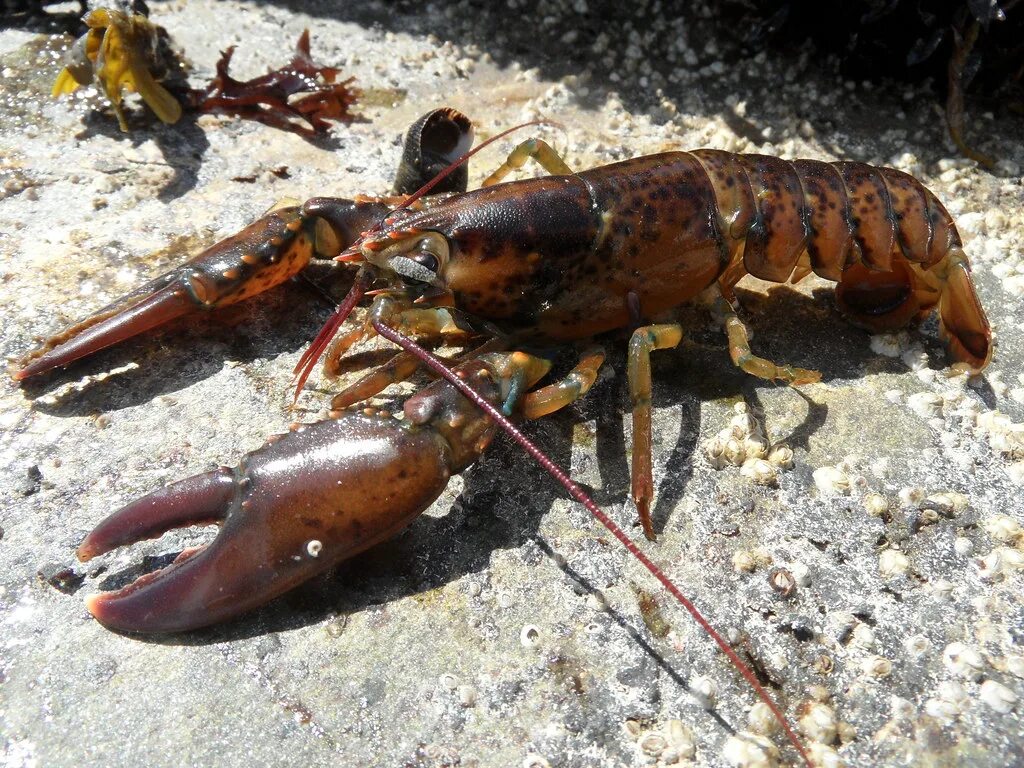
553,259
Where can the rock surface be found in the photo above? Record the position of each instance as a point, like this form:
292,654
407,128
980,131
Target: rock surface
880,598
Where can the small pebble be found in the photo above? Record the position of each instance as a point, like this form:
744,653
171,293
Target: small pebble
743,561
877,667
761,472
336,626
467,695
781,456
750,750
887,344
963,546
911,496
926,404
901,709
1015,666
652,744
704,690
999,563
950,703
782,581
832,481
942,588
449,682
1002,528
824,756
864,636
876,504
61,578
917,645
529,636
801,573
681,739
819,723
761,721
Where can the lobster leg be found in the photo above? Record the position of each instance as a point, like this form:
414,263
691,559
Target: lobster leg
745,360
537,149
644,341
398,368
426,325
566,391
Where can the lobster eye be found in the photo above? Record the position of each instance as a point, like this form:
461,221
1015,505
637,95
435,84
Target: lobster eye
427,260
424,262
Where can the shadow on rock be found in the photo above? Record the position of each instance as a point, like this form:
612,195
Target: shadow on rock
586,50
505,495
182,145
181,354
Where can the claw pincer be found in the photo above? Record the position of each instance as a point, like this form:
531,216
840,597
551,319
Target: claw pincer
264,254
300,504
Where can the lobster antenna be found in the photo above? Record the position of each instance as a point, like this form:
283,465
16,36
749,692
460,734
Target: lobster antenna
308,360
436,365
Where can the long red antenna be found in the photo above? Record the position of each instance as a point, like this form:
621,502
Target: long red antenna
580,495
308,360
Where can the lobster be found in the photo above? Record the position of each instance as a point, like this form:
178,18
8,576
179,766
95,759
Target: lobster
524,263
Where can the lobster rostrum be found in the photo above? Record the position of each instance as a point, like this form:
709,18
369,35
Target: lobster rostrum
548,260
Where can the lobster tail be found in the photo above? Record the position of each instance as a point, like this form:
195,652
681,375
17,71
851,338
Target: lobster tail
878,232
962,321
879,301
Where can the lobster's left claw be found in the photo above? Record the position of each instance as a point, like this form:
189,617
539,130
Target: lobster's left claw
291,510
264,254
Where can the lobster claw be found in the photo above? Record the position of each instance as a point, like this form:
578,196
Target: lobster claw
291,510
264,254
302,503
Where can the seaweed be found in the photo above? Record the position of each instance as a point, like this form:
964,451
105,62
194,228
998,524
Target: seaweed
124,51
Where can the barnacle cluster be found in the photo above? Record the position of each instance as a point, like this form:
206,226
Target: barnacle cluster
743,444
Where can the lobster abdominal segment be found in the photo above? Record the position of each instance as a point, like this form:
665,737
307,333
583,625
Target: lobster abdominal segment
562,257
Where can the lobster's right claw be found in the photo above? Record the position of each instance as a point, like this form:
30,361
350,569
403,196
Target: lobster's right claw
303,503
295,508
